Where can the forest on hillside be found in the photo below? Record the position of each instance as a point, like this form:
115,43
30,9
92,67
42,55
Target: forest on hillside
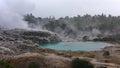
77,27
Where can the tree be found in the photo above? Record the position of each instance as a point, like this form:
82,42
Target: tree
30,18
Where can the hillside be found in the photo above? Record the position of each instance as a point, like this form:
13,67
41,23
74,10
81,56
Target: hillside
77,27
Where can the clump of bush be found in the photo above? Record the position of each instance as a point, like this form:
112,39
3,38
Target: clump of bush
34,65
86,38
104,39
112,38
106,53
5,64
81,63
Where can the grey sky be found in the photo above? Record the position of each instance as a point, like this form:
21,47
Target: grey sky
11,11
60,8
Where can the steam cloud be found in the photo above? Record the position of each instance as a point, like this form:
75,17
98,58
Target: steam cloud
12,11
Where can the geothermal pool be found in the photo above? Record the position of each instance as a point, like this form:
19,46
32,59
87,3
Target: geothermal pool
76,46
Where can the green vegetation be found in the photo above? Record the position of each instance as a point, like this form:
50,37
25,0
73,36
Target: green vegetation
85,38
80,63
34,65
5,64
74,26
81,23
112,38
30,18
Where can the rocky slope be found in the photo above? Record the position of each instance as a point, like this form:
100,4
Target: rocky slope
18,41
35,36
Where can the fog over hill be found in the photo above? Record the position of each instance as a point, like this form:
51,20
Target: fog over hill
12,11
77,27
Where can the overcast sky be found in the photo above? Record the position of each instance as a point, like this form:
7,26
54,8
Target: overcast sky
60,8
13,9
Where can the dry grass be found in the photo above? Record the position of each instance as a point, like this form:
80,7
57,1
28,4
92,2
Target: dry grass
44,61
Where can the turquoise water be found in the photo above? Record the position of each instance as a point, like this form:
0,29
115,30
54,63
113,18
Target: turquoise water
75,46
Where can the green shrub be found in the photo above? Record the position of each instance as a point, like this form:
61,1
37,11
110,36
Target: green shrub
85,38
34,65
5,64
80,63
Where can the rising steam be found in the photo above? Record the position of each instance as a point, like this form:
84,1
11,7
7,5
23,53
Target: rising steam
12,11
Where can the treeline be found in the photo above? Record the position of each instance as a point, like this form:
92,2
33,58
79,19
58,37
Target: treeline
75,27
